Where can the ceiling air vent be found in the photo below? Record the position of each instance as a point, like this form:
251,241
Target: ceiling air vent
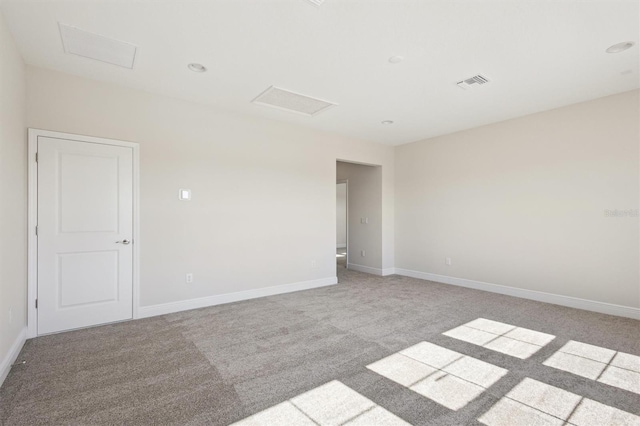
293,102
100,48
473,82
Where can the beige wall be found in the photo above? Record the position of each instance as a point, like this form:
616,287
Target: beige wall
13,193
521,203
263,192
365,201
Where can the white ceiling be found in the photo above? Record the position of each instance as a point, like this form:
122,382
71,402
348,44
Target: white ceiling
538,55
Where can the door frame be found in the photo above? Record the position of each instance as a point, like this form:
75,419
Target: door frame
32,218
346,182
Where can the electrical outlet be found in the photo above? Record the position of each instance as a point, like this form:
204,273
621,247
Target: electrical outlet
189,278
447,261
363,253
314,264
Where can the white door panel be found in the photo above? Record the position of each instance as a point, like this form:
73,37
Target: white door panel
85,207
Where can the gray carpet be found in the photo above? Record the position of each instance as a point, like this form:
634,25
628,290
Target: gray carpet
220,364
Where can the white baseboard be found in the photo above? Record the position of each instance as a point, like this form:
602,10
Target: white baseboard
12,355
369,270
362,268
220,299
341,246
556,299
388,271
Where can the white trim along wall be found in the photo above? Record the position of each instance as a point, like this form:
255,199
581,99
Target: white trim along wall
220,299
555,299
12,355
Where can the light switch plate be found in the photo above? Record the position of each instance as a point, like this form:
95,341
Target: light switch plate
184,194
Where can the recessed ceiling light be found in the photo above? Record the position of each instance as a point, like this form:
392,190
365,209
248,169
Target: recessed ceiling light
620,47
396,59
197,67
387,122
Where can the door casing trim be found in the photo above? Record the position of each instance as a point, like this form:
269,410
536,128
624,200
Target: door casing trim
346,182
32,219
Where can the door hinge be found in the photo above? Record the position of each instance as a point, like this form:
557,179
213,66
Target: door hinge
36,157
36,303
36,231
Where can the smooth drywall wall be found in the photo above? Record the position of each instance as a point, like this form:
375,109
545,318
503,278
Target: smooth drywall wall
523,203
13,194
263,207
341,215
365,205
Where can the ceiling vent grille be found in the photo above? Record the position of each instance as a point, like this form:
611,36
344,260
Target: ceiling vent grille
293,102
473,82
100,48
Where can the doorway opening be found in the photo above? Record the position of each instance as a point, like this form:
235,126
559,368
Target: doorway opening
358,218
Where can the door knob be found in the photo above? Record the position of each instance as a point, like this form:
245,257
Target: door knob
123,242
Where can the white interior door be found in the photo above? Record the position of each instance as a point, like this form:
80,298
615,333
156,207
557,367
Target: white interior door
85,234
